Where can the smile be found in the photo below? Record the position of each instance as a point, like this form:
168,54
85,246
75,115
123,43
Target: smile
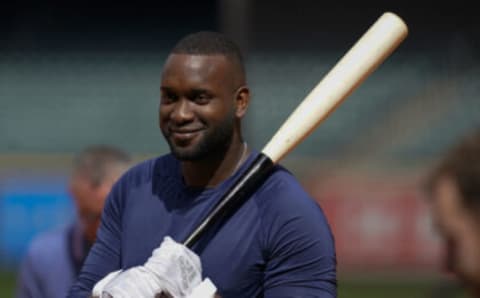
184,135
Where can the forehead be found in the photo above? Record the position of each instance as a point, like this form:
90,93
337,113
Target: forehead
196,69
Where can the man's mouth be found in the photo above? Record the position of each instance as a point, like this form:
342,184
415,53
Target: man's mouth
184,135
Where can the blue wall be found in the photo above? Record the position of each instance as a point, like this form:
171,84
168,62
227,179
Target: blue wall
29,206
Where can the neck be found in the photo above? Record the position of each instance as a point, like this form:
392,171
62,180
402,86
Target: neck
213,170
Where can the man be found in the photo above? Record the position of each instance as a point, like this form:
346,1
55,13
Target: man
55,258
454,188
278,244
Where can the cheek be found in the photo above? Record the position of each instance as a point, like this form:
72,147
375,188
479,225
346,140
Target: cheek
161,112
467,251
217,114
470,245
162,116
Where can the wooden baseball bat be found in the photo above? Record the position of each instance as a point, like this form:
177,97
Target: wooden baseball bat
376,44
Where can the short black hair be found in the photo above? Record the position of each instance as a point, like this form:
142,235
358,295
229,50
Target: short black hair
210,43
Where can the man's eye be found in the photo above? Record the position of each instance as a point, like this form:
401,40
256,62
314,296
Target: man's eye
202,98
168,98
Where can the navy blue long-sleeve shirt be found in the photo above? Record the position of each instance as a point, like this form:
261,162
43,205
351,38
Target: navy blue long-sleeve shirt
278,244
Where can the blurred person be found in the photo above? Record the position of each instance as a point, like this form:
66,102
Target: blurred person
454,192
278,244
54,258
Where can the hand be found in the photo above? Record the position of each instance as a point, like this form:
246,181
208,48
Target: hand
206,289
173,269
177,267
98,288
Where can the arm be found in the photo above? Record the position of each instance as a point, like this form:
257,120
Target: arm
172,269
104,256
303,262
299,246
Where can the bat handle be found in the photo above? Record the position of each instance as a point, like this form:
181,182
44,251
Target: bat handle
235,196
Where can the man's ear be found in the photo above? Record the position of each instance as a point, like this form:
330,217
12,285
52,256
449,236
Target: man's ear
242,100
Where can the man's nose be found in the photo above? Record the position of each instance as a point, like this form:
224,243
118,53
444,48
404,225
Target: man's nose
182,111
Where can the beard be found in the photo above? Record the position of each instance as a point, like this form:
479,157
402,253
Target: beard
213,142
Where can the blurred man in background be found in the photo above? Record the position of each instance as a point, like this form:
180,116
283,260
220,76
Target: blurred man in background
54,258
454,189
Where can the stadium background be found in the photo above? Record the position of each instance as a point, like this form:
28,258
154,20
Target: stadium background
86,72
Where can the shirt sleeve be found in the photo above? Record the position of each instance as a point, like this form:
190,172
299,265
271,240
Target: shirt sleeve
104,256
299,247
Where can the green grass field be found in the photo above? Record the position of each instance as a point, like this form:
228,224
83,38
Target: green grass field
346,289
397,289
7,284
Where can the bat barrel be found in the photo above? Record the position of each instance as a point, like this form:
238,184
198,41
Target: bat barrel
376,44
235,196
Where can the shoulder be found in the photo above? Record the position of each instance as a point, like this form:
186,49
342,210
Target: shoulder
141,178
282,189
145,171
285,207
49,245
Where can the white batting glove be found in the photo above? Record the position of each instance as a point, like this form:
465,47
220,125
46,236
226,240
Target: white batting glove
98,288
177,267
134,282
206,289
172,269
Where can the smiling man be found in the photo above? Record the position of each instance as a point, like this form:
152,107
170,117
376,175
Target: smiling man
278,244
204,98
